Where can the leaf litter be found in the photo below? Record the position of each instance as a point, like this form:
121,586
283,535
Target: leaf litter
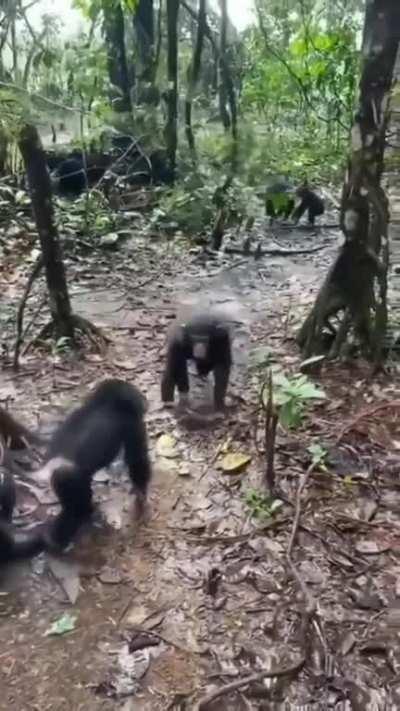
231,596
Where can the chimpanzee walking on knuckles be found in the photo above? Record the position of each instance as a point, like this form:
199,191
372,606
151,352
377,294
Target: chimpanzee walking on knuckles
280,201
206,340
90,438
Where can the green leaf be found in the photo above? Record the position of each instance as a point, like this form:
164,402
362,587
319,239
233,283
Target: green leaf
318,453
64,624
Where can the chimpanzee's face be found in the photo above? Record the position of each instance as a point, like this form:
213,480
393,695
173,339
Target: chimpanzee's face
200,350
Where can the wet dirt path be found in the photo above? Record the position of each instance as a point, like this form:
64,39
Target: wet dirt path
156,589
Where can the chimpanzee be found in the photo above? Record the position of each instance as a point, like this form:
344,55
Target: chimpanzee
70,178
8,495
111,418
310,201
279,200
205,338
12,549
16,435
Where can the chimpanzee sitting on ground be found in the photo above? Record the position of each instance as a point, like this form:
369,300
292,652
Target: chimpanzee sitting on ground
309,201
70,178
111,418
206,340
12,548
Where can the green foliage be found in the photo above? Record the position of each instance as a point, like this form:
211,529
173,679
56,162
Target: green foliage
65,623
291,396
318,456
302,79
91,8
62,346
261,506
188,209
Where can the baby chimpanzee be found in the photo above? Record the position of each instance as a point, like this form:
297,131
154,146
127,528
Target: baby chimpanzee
206,340
110,419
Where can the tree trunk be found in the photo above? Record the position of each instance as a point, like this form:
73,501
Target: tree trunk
223,89
170,131
194,73
114,32
144,28
356,284
158,41
4,140
230,92
40,187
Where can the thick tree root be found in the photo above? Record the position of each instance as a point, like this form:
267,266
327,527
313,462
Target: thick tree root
88,329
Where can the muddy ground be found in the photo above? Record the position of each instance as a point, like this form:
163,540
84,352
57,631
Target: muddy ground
158,617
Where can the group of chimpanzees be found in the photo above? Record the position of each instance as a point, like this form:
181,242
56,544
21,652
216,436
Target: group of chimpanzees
111,419
70,179
71,175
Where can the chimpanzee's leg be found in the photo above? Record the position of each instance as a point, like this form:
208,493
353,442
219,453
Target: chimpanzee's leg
176,372
314,211
74,492
270,210
222,368
288,208
221,380
299,211
137,460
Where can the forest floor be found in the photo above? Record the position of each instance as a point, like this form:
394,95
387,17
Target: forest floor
157,618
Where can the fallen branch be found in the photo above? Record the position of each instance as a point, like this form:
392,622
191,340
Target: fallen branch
273,252
271,421
37,268
310,600
366,413
251,679
297,514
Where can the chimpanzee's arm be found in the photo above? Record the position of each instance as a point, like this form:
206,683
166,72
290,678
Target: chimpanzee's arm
222,366
221,380
176,372
300,210
137,461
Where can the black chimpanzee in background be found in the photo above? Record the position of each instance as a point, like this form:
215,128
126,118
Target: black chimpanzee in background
69,178
90,438
206,340
309,201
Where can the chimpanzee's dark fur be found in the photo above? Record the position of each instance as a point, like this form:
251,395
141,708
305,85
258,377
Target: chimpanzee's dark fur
209,332
11,549
111,418
8,495
70,177
308,201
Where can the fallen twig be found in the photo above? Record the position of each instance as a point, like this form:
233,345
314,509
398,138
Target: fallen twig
274,252
310,600
366,413
271,421
37,267
297,514
251,679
